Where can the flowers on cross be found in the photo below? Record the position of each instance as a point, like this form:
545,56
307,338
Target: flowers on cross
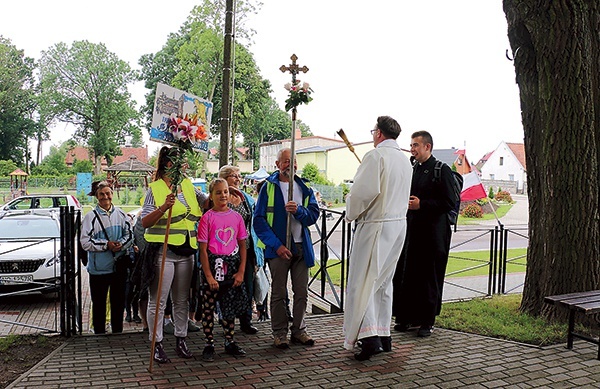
299,94
186,129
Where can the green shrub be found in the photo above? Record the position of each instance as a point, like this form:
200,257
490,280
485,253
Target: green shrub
491,193
472,211
139,195
345,190
83,197
504,196
482,201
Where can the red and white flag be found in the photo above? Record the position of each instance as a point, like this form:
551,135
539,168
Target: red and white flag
472,187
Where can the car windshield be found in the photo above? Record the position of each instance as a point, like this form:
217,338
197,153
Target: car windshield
21,228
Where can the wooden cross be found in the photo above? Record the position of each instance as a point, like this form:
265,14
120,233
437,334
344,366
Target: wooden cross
294,68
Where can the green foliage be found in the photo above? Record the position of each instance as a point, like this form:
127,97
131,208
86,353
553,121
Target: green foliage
139,195
500,317
503,196
192,60
86,85
17,102
502,209
298,94
84,166
311,173
345,190
483,201
54,163
491,193
472,210
83,198
7,167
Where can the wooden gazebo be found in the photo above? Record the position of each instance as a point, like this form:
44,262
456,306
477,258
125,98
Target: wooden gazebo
18,183
132,168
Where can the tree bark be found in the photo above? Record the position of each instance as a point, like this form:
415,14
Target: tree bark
555,47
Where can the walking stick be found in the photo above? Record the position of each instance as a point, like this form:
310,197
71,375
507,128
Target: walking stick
160,280
342,135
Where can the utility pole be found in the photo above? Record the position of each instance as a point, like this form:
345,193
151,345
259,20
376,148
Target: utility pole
226,98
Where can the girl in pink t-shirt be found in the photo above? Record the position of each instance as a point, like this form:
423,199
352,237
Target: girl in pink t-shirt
222,238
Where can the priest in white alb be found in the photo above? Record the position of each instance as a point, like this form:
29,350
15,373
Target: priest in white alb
378,201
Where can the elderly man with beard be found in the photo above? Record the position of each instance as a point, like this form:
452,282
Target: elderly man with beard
270,224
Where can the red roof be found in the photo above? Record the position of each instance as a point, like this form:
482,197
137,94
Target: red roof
81,154
518,150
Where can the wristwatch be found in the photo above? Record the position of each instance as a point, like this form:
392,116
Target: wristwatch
105,247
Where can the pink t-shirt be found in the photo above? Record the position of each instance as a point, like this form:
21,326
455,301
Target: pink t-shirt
221,230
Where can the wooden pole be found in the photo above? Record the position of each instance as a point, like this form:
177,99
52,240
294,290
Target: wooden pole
342,135
226,97
160,281
289,241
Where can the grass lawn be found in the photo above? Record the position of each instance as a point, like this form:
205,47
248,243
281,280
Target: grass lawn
499,317
458,263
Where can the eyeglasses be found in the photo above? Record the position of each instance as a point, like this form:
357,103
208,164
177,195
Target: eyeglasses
235,176
373,130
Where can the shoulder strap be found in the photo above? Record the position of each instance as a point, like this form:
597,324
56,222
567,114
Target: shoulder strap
437,169
101,224
103,229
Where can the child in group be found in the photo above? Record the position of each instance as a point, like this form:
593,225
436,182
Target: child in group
222,239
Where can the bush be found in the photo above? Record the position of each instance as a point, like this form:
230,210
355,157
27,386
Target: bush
504,196
83,198
482,201
472,211
491,193
345,190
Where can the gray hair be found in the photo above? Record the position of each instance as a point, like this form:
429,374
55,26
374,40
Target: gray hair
227,170
280,152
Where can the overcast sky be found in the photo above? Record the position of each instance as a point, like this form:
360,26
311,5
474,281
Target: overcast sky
433,65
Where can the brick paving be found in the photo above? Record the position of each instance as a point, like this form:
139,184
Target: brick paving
448,359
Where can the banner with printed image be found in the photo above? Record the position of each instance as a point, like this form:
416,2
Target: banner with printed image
180,117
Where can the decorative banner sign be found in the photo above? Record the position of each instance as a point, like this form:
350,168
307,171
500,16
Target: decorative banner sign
179,117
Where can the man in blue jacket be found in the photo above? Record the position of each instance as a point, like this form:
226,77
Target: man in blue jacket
270,224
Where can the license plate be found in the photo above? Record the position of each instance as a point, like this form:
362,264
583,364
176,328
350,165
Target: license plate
15,280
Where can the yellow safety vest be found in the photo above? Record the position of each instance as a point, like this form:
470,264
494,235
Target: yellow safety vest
182,223
271,207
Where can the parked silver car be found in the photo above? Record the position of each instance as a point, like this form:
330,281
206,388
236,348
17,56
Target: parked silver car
30,250
41,201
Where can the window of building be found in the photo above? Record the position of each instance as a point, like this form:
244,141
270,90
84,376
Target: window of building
501,161
492,176
511,177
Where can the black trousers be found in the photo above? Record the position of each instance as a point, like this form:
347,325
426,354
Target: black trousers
99,286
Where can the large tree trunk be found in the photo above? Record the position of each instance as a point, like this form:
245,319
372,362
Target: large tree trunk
555,46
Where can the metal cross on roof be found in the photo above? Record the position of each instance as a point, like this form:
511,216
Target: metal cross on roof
293,68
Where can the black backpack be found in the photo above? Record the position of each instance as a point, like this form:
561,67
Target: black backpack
457,184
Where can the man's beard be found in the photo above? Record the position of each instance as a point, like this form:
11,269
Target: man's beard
286,173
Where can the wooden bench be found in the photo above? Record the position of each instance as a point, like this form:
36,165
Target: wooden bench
585,302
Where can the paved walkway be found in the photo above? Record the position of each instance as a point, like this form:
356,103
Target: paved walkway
447,359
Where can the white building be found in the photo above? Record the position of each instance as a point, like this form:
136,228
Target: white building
506,163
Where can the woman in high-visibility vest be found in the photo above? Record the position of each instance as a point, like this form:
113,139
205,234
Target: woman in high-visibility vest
182,245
